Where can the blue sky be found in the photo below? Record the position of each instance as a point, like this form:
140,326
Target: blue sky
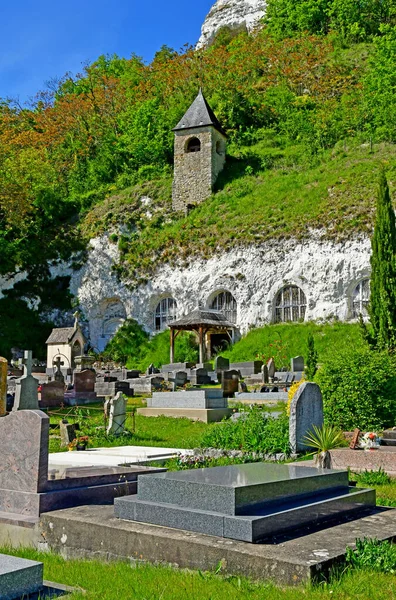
44,39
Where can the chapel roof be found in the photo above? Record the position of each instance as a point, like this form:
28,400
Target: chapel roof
61,335
199,115
202,317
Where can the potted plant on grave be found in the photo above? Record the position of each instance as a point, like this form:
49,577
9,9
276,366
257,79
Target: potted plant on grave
323,439
80,443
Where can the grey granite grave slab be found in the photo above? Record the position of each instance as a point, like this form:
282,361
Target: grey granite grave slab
188,399
19,577
262,523
247,368
229,489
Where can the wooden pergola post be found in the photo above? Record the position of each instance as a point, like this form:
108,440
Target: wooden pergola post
201,345
172,346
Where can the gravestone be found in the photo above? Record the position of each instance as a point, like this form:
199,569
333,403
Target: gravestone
58,363
199,377
178,379
26,394
19,578
221,364
230,383
67,433
84,381
116,411
297,364
243,387
52,394
271,369
306,410
264,374
3,386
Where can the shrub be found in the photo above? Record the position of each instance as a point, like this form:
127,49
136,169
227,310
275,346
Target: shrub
255,431
127,342
372,554
359,389
379,477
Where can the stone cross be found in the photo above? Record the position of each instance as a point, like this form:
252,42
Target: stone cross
58,363
3,386
116,408
26,394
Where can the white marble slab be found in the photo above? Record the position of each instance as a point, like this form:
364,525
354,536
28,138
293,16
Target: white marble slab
112,457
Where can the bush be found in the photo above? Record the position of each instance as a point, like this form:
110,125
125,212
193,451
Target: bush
359,389
372,554
255,431
126,343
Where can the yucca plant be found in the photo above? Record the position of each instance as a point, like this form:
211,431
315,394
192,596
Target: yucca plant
323,439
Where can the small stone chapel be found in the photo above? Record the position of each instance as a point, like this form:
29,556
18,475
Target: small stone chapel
67,343
200,150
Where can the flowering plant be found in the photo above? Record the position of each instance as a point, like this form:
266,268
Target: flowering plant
369,441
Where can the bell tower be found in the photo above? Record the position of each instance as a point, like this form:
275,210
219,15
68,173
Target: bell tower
200,150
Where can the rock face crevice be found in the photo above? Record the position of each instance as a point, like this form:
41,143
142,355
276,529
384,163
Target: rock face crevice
234,14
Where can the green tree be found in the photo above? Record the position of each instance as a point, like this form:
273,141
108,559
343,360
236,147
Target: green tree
311,365
382,306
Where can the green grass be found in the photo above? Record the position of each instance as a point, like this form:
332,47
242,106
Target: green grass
386,492
119,581
162,432
286,340
267,192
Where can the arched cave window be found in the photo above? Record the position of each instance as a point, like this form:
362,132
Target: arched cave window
219,147
290,304
360,299
226,303
165,313
193,145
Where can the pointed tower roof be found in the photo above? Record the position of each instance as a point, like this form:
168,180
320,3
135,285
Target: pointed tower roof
199,115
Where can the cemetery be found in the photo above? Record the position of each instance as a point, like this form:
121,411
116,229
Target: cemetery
198,387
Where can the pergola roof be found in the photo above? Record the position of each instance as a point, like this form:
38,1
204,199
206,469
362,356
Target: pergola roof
202,318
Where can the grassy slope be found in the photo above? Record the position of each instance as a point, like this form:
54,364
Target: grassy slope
329,338
268,191
116,580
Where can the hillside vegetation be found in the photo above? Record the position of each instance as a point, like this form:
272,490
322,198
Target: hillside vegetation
308,104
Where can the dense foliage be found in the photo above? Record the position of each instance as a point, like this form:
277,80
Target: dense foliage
383,271
354,20
359,389
254,431
309,118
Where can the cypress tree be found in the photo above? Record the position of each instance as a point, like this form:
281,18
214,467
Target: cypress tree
382,307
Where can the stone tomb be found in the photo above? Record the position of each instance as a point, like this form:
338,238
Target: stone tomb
247,368
25,489
52,394
206,405
19,577
84,388
249,502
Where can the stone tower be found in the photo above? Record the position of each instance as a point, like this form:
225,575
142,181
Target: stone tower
200,147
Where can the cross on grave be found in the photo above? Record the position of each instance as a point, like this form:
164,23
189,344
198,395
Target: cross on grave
26,396
27,363
58,363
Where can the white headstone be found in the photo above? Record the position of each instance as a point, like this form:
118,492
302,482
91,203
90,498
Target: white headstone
116,409
306,410
26,390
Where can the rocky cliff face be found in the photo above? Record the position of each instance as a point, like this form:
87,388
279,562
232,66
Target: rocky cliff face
235,14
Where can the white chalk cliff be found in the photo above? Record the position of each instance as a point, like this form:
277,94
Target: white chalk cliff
235,14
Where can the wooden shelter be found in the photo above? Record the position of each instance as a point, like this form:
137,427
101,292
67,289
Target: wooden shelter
203,322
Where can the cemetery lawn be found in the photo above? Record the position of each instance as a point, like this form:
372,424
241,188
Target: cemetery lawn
162,432
118,581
